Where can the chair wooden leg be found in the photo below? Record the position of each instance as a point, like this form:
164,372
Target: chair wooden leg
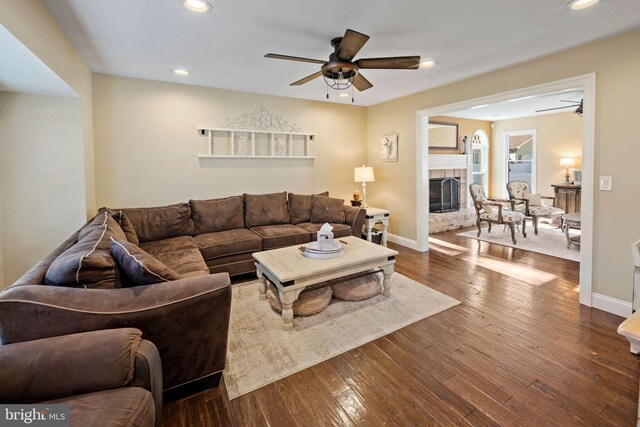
524,223
478,224
535,225
513,232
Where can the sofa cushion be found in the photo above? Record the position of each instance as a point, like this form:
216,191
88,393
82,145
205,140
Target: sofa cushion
217,214
229,242
277,236
327,209
339,230
180,254
265,209
162,222
89,263
124,406
127,227
300,206
142,268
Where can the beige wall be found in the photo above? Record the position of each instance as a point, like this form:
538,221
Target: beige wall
616,63
146,144
558,135
30,22
41,177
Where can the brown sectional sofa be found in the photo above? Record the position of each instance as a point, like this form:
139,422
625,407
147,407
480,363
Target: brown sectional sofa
204,241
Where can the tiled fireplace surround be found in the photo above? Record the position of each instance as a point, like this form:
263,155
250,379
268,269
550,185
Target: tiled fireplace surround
450,166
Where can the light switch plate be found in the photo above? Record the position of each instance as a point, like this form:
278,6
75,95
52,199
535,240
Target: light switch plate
606,183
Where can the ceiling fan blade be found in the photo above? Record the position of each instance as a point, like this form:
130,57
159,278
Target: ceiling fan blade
361,83
307,79
557,108
395,63
293,58
351,43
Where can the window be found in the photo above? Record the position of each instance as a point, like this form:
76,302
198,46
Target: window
480,158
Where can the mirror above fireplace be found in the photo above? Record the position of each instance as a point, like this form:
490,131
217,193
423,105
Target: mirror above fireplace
443,135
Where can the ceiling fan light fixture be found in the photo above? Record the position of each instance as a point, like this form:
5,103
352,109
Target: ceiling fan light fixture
181,72
198,6
427,63
344,95
581,4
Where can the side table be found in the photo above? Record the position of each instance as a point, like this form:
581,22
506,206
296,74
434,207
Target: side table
374,216
571,220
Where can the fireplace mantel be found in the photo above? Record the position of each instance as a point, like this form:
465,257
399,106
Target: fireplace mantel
449,161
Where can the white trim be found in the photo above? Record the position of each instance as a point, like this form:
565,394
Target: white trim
422,185
611,305
588,84
534,160
403,241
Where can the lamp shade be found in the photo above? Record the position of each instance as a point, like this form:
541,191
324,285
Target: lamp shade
567,161
363,174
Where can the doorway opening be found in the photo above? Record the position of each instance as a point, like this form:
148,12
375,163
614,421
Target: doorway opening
586,85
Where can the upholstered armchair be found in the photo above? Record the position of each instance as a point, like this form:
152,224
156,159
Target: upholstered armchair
110,377
492,211
523,201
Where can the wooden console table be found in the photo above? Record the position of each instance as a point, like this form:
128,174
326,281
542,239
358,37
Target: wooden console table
567,197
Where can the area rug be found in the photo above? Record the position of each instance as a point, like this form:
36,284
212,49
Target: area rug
549,241
260,352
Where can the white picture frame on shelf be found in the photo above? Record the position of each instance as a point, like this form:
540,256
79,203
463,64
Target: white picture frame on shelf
577,177
389,148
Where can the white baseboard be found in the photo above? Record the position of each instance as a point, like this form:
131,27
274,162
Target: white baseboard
408,243
611,305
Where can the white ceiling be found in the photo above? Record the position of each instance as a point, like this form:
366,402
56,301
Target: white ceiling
522,107
23,71
224,49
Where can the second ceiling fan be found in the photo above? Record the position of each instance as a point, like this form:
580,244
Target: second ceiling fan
341,71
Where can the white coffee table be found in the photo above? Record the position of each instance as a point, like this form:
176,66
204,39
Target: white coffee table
291,272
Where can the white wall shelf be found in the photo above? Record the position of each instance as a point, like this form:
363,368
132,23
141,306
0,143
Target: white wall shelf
227,156
246,143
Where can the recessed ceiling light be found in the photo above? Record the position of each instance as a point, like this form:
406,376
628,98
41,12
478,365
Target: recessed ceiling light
344,95
181,72
197,6
582,4
427,63
479,106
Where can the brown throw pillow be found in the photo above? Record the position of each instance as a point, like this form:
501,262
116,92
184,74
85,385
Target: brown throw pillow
162,222
89,263
327,209
300,207
265,209
139,266
126,225
217,214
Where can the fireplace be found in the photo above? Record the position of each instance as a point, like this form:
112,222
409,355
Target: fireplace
444,194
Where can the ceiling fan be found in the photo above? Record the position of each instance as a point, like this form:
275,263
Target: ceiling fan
341,71
573,104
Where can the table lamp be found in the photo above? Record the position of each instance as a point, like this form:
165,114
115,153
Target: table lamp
567,162
363,174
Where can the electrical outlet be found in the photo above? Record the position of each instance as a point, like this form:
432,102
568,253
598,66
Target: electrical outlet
606,183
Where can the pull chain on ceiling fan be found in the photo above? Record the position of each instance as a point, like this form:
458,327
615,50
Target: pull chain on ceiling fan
340,72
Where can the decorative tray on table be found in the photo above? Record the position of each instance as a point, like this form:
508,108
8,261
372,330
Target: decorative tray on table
312,250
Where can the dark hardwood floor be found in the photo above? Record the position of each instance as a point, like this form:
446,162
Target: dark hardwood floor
518,351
